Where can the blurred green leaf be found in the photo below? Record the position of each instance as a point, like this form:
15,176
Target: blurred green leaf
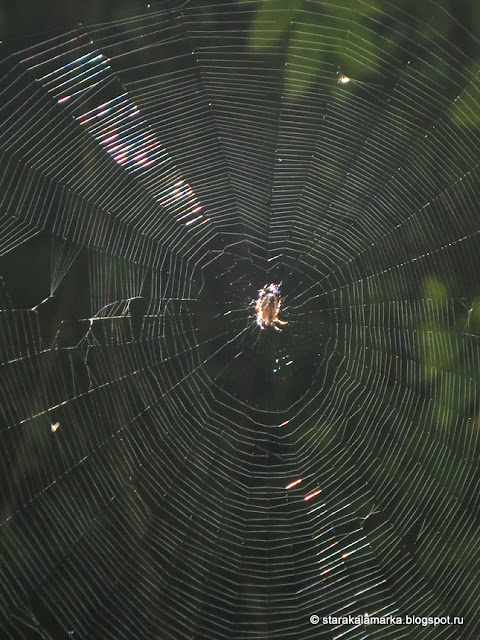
434,289
271,21
309,47
466,110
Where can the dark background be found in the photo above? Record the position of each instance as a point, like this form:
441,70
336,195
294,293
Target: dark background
179,526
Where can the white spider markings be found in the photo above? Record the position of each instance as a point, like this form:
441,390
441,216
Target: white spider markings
268,306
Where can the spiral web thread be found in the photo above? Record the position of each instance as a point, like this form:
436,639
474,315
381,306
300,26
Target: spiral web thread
334,147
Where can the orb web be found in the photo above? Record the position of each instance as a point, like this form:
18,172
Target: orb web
170,469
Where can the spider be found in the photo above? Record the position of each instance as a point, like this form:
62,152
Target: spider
268,306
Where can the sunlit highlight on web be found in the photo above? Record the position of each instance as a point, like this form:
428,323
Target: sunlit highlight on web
119,127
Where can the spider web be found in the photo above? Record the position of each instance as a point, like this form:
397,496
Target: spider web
168,469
